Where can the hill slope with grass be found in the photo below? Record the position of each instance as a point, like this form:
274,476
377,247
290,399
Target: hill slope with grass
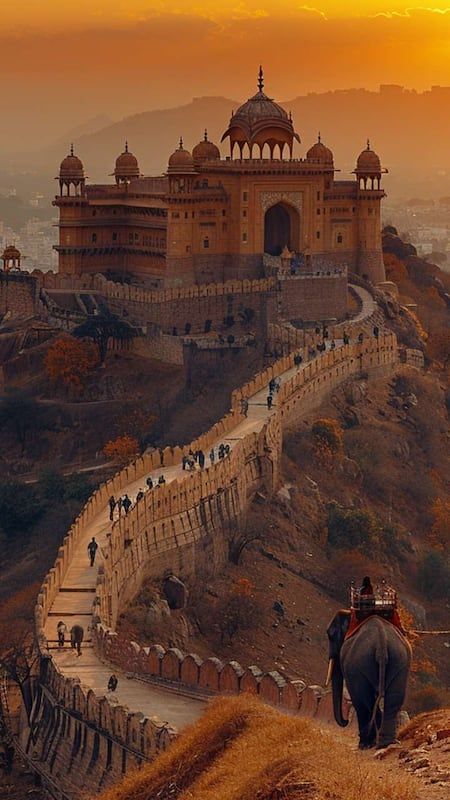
242,750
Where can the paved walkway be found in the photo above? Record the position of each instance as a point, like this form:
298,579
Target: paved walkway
73,603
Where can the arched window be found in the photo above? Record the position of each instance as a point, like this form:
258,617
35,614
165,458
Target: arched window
205,243
339,238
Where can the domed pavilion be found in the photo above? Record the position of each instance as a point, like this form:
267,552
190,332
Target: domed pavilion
261,127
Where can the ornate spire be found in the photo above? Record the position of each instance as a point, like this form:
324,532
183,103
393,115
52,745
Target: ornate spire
205,135
126,146
181,143
368,144
260,79
71,148
319,138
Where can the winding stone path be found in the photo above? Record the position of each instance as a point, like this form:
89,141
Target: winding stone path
73,603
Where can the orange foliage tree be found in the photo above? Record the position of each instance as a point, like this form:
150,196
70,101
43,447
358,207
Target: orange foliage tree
122,449
328,442
18,654
237,610
69,361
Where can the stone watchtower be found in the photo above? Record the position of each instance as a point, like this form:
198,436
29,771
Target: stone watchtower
11,258
369,195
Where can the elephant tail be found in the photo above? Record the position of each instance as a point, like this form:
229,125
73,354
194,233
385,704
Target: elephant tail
381,655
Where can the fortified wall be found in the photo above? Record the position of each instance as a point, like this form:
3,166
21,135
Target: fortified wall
18,294
307,296
80,738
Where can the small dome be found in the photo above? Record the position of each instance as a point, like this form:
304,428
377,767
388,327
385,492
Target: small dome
181,160
319,152
205,150
71,166
126,165
10,252
368,161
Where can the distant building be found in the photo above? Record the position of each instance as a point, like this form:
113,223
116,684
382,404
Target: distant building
211,219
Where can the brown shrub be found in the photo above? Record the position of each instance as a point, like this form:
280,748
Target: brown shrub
428,698
242,750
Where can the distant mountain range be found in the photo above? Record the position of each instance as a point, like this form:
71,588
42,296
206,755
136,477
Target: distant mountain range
409,130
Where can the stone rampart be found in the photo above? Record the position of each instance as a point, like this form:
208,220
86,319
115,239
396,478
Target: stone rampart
79,735
18,294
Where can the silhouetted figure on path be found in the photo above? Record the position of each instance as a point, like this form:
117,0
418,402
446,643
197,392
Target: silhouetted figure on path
269,401
149,482
126,502
76,637
201,459
112,683
212,456
112,505
139,495
61,630
92,549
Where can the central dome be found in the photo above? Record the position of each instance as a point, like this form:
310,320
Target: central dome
261,121
127,166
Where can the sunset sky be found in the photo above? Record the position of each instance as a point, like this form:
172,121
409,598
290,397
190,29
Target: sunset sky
63,62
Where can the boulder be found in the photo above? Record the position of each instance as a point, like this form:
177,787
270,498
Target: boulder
175,592
157,611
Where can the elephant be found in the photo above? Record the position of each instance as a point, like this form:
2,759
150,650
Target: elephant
375,664
76,637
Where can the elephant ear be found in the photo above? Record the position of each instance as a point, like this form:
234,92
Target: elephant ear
336,631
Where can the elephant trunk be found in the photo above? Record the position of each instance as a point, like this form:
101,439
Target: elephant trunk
337,684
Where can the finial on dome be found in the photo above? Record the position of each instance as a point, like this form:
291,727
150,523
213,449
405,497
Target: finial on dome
71,148
368,144
290,116
181,143
126,146
205,135
260,79
319,138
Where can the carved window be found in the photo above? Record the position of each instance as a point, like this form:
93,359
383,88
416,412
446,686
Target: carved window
206,243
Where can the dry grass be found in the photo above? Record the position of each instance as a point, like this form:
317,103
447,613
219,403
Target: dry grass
243,750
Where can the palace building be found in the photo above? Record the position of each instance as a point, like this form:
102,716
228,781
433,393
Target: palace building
212,219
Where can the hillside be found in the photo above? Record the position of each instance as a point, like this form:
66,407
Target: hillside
345,119
241,750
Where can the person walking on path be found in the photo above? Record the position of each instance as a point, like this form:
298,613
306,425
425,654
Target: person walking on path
92,550
161,456
212,455
112,683
244,406
269,401
161,480
112,505
61,630
376,331
119,505
149,482
76,637
126,502
201,459
139,495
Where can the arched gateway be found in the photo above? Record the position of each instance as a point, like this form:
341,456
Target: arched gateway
281,229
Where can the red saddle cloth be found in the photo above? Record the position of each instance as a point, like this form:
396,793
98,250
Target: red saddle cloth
356,621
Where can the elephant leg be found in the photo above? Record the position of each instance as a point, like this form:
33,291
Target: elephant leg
393,702
363,698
